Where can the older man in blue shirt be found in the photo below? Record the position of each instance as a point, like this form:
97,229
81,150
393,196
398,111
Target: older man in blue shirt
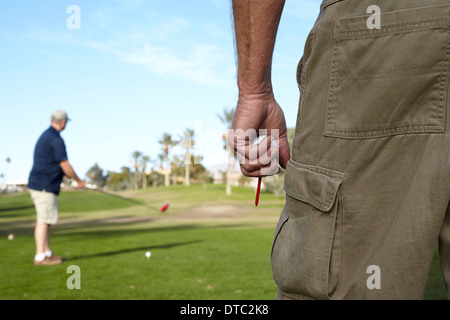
49,167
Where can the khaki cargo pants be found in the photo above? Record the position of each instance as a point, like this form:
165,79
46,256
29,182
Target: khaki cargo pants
368,185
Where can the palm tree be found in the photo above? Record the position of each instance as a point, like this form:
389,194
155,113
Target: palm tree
227,118
167,142
161,157
136,156
4,174
188,143
144,161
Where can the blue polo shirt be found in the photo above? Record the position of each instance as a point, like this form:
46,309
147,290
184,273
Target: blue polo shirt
46,173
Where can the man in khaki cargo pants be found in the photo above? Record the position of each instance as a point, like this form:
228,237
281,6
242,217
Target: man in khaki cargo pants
368,183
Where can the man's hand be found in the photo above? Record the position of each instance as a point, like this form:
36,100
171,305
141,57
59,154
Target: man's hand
70,173
257,112
254,116
81,185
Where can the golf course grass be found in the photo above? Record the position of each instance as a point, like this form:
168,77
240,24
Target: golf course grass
206,245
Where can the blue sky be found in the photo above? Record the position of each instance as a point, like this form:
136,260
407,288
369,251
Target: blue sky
134,70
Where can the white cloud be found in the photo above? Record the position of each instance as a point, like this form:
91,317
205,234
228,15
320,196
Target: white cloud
170,46
218,32
169,29
203,64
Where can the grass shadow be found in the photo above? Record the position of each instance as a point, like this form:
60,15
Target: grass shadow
111,253
17,208
125,199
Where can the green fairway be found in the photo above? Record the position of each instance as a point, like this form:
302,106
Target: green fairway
205,246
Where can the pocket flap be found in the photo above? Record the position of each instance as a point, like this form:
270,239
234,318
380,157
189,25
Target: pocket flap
314,185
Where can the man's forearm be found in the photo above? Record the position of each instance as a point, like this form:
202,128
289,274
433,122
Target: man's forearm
69,171
256,25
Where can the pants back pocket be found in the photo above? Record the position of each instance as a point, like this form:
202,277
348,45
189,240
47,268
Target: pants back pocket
391,80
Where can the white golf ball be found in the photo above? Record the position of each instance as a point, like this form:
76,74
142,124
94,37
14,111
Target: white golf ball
148,254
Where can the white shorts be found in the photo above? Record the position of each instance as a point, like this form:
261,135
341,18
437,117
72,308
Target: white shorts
46,206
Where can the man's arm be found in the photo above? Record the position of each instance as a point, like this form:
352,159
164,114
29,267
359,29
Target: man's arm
70,173
256,25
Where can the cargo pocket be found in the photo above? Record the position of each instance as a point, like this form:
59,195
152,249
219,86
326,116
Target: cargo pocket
391,80
307,243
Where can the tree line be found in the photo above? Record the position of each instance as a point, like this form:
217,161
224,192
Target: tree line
167,169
